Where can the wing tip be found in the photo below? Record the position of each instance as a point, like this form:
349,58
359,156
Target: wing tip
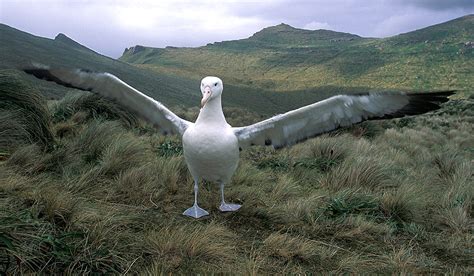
441,95
40,73
43,72
420,103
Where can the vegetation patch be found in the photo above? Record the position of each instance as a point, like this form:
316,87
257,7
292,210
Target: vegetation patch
24,116
170,148
101,196
346,204
90,106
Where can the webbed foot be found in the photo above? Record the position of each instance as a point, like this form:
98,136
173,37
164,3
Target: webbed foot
229,207
195,212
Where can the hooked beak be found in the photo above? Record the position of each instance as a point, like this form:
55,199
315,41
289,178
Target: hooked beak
206,96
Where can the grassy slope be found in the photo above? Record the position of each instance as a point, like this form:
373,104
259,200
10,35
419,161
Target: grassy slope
285,59
106,193
19,49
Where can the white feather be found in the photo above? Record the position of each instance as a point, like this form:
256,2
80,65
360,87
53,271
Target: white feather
311,120
111,87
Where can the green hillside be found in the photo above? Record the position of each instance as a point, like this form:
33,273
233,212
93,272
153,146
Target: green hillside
19,50
283,58
312,64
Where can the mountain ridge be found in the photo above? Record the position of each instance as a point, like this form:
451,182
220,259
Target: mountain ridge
283,27
275,77
19,50
71,42
283,58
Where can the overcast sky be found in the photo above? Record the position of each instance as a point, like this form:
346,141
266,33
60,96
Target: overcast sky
109,26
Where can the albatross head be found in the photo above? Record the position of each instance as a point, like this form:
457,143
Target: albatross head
211,88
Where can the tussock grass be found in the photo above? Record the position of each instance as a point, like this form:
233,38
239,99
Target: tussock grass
350,202
359,172
456,205
122,153
290,248
25,158
186,248
323,154
405,204
284,189
82,106
24,116
39,243
145,184
14,131
92,142
65,129
107,197
57,208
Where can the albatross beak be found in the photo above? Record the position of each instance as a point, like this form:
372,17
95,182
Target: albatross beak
206,96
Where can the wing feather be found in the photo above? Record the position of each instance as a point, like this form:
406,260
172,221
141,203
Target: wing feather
111,87
338,111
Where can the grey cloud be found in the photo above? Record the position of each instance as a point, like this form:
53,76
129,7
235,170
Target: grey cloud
441,4
366,18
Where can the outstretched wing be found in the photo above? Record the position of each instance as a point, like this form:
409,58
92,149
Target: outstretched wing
111,87
338,111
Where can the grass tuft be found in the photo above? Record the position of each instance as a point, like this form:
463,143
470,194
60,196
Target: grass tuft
290,249
361,172
82,106
191,247
24,116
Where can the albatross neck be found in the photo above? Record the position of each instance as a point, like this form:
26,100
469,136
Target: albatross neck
212,113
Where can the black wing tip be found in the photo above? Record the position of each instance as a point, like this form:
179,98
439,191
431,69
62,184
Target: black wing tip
37,72
447,92
45,74
436,92
420,103
428,101
433,95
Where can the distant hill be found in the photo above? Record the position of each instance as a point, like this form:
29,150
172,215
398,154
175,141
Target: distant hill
312,65
286,35
19,49
283,58
69,41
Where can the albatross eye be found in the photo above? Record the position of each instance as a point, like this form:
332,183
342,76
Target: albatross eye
215,84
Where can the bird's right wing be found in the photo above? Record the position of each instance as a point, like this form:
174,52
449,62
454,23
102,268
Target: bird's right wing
338,111
111,87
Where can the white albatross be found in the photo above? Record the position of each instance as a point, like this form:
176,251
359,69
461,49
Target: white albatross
211,146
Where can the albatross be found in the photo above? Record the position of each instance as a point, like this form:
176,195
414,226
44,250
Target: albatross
211,146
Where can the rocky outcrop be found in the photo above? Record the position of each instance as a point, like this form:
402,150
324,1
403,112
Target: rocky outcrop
133,50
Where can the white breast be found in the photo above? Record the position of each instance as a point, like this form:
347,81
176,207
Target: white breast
211,152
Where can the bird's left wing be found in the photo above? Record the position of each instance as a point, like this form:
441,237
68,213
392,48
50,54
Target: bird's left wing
111,87
338,111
